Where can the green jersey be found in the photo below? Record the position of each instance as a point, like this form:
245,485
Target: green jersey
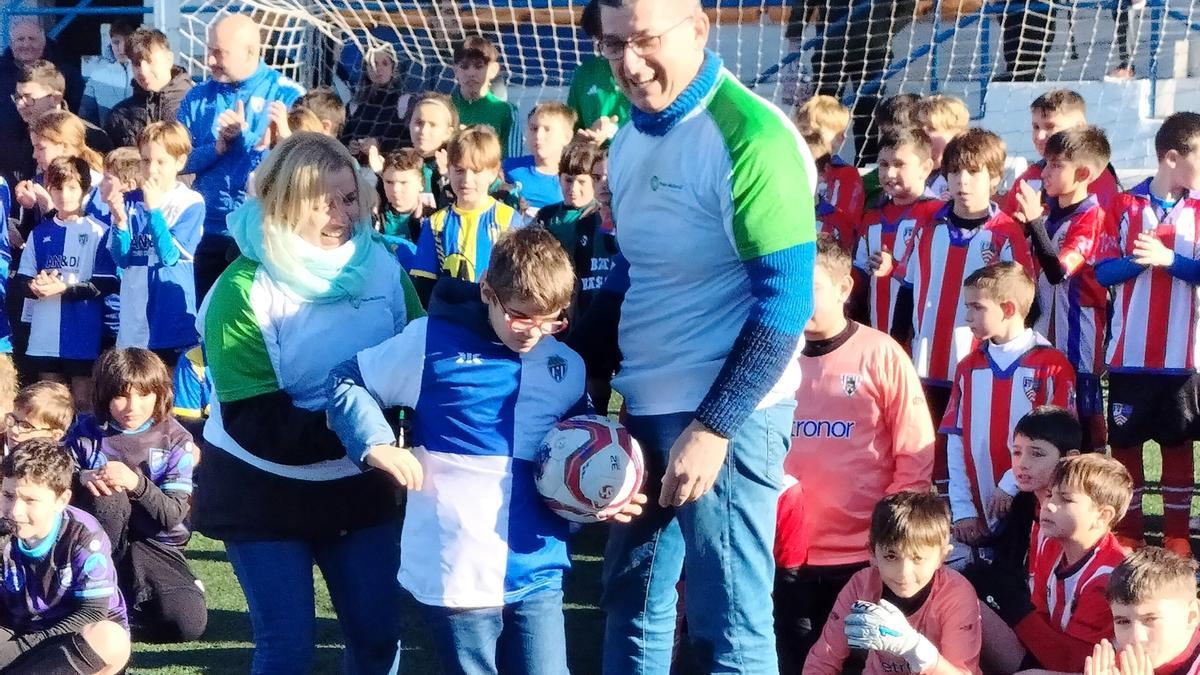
499,115
594,94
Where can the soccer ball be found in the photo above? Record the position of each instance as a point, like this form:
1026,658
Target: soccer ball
587,464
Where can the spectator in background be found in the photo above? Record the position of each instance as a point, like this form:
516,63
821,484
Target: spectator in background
379,109
594,94
228,116
28,43
852,53
41,88
110,82
158,87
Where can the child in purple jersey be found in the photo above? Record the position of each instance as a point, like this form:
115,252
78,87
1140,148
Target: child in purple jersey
60,611
136,465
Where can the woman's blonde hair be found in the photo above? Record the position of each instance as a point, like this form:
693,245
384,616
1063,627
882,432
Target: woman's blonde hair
290,181
60,126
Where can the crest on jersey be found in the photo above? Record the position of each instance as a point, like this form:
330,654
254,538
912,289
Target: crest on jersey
83,239
557,367
1031,387
988,253
1121,413
850,384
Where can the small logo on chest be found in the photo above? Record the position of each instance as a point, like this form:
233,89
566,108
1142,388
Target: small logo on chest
557,367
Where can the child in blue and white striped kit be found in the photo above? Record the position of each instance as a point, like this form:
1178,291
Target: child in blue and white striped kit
155,233
480,552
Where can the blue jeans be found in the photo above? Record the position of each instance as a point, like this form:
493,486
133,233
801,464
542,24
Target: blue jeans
722,542
522,638
360,572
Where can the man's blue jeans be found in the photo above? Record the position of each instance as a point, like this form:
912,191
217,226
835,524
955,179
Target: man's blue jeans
722,545
522,638
360,572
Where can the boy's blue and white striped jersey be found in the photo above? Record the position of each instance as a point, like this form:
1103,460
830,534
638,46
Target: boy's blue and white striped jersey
154,254
78,249
477,534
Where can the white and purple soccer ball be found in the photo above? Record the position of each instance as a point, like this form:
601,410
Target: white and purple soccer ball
588,464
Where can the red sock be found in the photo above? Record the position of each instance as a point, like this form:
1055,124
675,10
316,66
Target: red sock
1132,526
1178,484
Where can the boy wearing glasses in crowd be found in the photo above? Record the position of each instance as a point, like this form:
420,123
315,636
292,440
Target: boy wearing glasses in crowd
41,410
480,552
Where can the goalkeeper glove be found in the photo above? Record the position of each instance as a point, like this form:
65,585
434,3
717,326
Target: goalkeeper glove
883,628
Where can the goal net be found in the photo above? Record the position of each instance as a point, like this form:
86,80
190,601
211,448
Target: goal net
1129,58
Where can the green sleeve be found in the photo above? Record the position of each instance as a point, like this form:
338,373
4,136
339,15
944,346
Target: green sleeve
412,302
773,206
233,340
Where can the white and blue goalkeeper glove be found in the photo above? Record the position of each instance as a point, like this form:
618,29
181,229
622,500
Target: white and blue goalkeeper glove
883,628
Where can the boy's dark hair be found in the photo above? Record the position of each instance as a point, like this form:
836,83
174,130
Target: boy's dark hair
44,73
909,520
119,372
476,48
898,111
1054,425
1179,132
1105,480
325,104
125,163
832,256
64,169
47,402
1059,101
973,150
40,461
120,29
405,159
896,137
1149,573
144,40
529,265
590,21
579,158
1086,145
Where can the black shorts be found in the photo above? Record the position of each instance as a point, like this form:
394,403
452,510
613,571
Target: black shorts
60,366
1153,407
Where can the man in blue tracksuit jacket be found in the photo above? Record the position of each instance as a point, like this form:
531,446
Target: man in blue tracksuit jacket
227,116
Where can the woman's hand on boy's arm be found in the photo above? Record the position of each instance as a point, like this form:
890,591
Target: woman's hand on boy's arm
399,463
626,513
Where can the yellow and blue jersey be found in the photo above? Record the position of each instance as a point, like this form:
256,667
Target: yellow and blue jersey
457,242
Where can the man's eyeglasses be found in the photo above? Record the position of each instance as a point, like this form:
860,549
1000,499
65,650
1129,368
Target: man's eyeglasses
613,47
25,99
520,322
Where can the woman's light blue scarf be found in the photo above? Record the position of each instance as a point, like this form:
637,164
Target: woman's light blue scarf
311,273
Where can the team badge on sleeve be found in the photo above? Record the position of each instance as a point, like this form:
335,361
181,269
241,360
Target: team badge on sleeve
1121,413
